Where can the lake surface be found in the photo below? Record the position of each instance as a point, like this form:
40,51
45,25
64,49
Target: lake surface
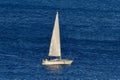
90,35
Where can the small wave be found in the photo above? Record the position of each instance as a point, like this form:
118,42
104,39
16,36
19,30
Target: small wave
13,56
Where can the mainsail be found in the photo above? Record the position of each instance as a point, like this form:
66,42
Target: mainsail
55,49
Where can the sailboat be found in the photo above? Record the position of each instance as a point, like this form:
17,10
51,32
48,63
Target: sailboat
55,48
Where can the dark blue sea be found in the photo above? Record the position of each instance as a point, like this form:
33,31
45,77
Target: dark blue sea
90,35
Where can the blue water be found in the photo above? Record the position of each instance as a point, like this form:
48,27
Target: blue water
90,35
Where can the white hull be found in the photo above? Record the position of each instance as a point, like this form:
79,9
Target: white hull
57,62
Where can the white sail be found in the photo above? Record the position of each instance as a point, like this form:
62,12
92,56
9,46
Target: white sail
55,49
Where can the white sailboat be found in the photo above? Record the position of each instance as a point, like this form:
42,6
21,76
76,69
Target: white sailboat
55,49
